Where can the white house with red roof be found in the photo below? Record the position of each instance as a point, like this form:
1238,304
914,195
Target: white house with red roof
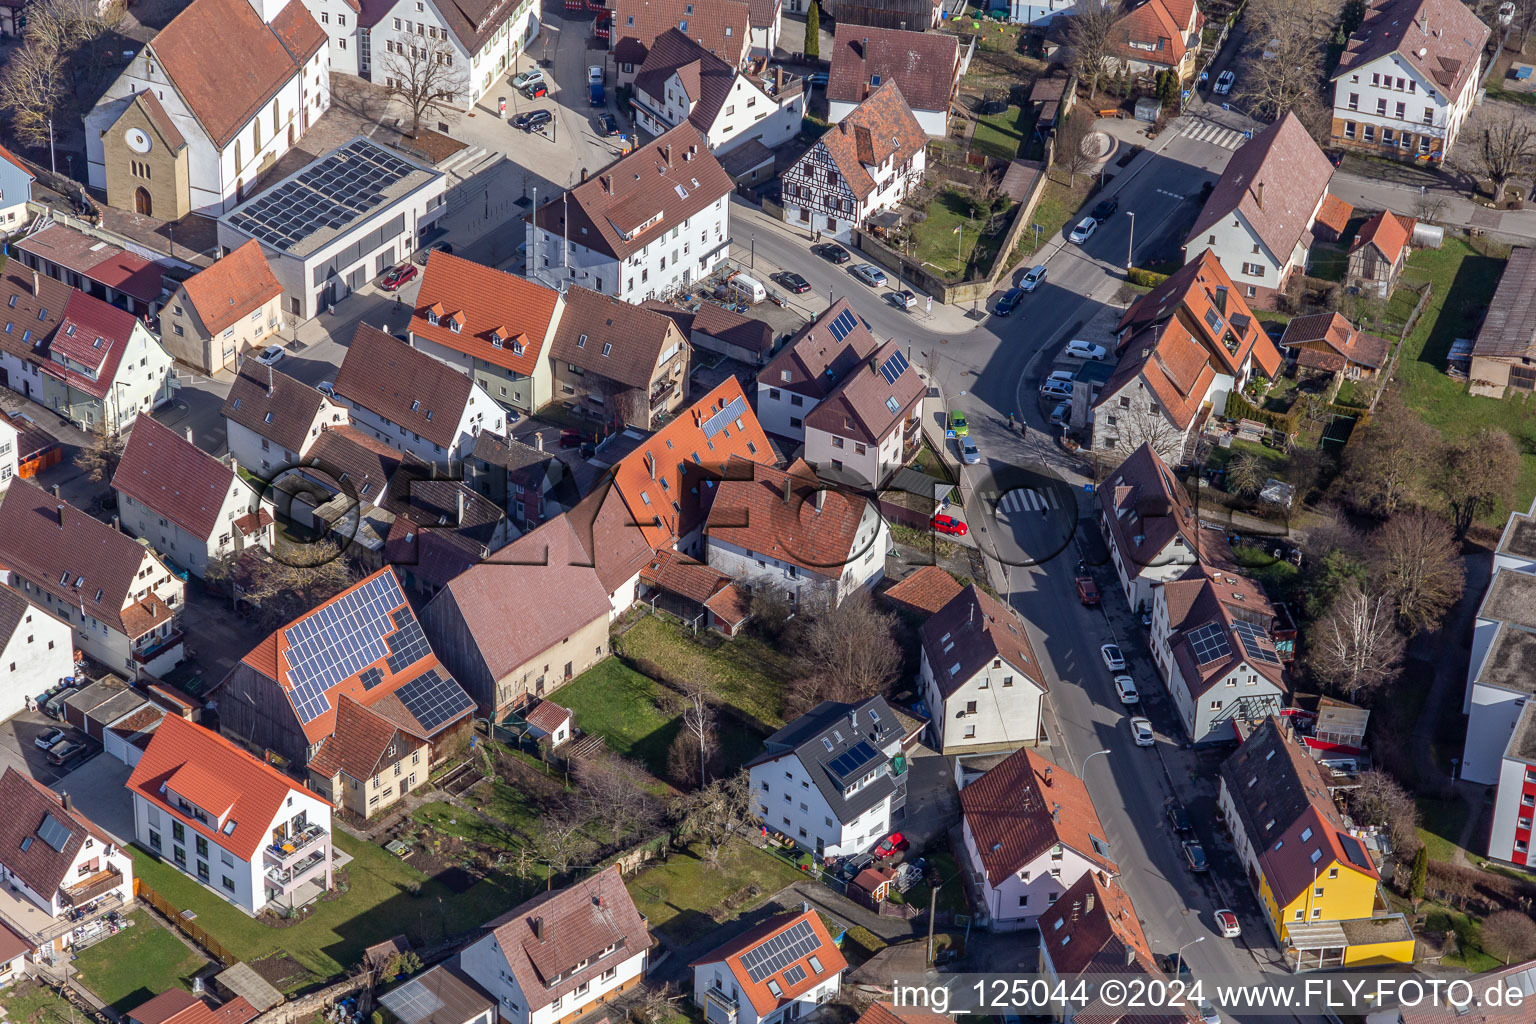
1031,831
810,366
1157,35
780,971
10,456
866,428
230,820
15,190
103,367
1147,518
223,311
980,676
559,955
188,505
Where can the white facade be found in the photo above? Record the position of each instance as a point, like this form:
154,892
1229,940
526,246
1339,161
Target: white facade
92,857
1018,900
1025,12
849,459
15,190
864,568
1495,713
215,174
339,22
718,977
1509,838
997,708
417,22
1208,717
815,204
1146,419
1141,583
261,456
486,963
671,261
765,38
140,384
781,412
10,456
789,802
37,655
185,548
1369,97
479,413
1247,258
748,112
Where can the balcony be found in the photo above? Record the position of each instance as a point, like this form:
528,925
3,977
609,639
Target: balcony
88,889
662,393
285,849
724,1005
284,881
144,653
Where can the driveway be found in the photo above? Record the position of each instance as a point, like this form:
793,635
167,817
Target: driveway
933,803
98,789
17,749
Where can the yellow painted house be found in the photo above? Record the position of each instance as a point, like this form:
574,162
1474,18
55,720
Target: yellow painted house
1316,881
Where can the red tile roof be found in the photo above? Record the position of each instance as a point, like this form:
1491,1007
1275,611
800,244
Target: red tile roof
174,140
1442,40
1165,24
10,158
1093,928
971,630
764,1001
386,376
12,945
925,65
1334,214
751,512
1340,339
96,260
173,477
230,289
881,128
1202,296
1172,364
723,27
27,803
254,790
547,715
889,1013
1388,232
360,743
1146,509
1023,806
94,334
925,591
178,1006
488,305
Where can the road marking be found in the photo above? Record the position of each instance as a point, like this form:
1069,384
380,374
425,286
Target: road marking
1029,499
1202,130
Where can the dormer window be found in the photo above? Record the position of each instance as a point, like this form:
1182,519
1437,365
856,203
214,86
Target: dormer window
454,325
415,405
431,318
496,341
517,348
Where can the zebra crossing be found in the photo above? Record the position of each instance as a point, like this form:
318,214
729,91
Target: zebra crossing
1203,130
1022,499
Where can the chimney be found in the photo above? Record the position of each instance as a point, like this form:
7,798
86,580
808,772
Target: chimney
1056,813
69,804
35,284
55,490
583,175
271,381
1088,901
60,510
666,154
821,498
117,526
864,48
537,924
461,506
1221,298
188,433
538,441
1048,780
597,900
778,80
788,486
650,464
1258,193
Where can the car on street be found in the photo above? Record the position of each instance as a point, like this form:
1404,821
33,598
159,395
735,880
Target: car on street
958,424
446,247
537,91
832,253
1083,231
1178,817
49,739
594,74
948,525
1009,302
1079,349
1087,591
1208,1014
271,355
969,452
1113,659
1226,924
1225,81
1061,414
869,274
1141,732
327,388
65,752
904,299
1194,853
890,845
1033,278
531,77
606,124
1105,209
794,282
394,277
1125,688
1055,389
532,120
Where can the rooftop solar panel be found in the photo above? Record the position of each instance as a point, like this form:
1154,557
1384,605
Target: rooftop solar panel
795,975
852,762
778,952
1209,643
330,194
893,367
433,699
53,832
1252,638
718,422
844,323
338,641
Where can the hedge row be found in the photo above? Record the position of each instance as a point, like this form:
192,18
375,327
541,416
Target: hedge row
1239,408
1145,278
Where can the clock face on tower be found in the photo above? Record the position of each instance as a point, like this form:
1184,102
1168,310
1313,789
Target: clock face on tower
137,139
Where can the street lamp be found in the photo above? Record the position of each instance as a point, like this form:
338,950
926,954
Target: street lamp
1083,770
1178,958
753,264
1130,242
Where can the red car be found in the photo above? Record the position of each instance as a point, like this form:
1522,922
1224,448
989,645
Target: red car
949,525
536,91
394,277
890,845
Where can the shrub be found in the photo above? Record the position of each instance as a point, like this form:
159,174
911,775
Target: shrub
1239,408
1145,278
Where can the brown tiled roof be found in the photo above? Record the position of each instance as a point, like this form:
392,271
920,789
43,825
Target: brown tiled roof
28,319
1224,599
750,512
664,182
1093,928
547,715
1345,341
676,573
815,359
351,458
178,1006
1023,806
1509,327
575,924
859,406
174,140
1146,509
1163,23
1174,366
612,338
386,376
924,64
1334,214
292,405
881,128
34,544
764,1000
606,531
706,79
716,321
488,305
195,50
925,591
173,477
474,22
1276,181
23,852
1441,39
971,630
723,27
731,604
96,260
1202,296
1388,232
359,742
232,287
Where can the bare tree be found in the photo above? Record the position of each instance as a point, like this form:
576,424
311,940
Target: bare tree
854,644
1420,566
32,91
1090,30
1429,207
655,1005
1509,935
1356,645
1071,150
1385,466
562,838
425,76
694,746
1245,475
1477,475
1506,149
613,794
98,460
283,590
1377,799
717,813
1139,425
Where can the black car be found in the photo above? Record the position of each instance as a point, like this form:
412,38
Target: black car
607,125
794,282
533,120
835,253
1105,209
1179,818
1009,301
1195,855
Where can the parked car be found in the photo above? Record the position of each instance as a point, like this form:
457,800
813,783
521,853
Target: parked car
1083,231
1125,688
832,253
890,845
527,78
1141,732
532,120
1225,81
1105,209
1079,349
327,388
1226,924
1178,817
65,752
271,355
572,439
446,247
958,425
794,282
1194,853
969,452
1009,302
537,91
1113,659
904,299
1061,414
1033,278
395,277
1087,591
606,124
594,74
948,525
869,274
1064,376
1055,389
49,739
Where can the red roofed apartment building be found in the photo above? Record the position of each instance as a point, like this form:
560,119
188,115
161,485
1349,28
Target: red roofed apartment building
780,971
979,673
184,129
925,65
1146,515
561,954
1408,78
233,822
219,313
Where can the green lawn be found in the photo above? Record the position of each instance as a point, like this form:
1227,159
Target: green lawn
1463,281
742,672
1440,825
137,964
1003,135
29,1002
937,244
385,897
1058,204
680,895
1278,578
1469,950
453,821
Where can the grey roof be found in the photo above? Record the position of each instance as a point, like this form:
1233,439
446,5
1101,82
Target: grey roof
508,453
1511,598
832,721
1519,536
1522,742
110,710
1511,660
89,697
438,996
1509,330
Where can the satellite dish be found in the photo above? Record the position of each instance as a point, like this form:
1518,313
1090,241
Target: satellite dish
1423,51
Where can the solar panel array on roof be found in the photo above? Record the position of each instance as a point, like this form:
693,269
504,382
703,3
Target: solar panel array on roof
795,975
893,367
337,641
852,762
412,1002
720,420
1252,638
53,832
844,323
346,185
433,698
777,953
1209,643
407,646
371,677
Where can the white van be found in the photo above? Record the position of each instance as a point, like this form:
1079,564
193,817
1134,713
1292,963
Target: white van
748,289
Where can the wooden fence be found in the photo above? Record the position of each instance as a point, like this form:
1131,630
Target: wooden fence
190,929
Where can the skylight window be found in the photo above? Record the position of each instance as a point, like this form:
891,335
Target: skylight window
581,342
773,986
70,331
607,347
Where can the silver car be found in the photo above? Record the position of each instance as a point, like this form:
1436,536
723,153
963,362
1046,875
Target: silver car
969,452
869,274
1055,389
1033,278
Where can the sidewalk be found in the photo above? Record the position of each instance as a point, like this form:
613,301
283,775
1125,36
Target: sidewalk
1376,194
